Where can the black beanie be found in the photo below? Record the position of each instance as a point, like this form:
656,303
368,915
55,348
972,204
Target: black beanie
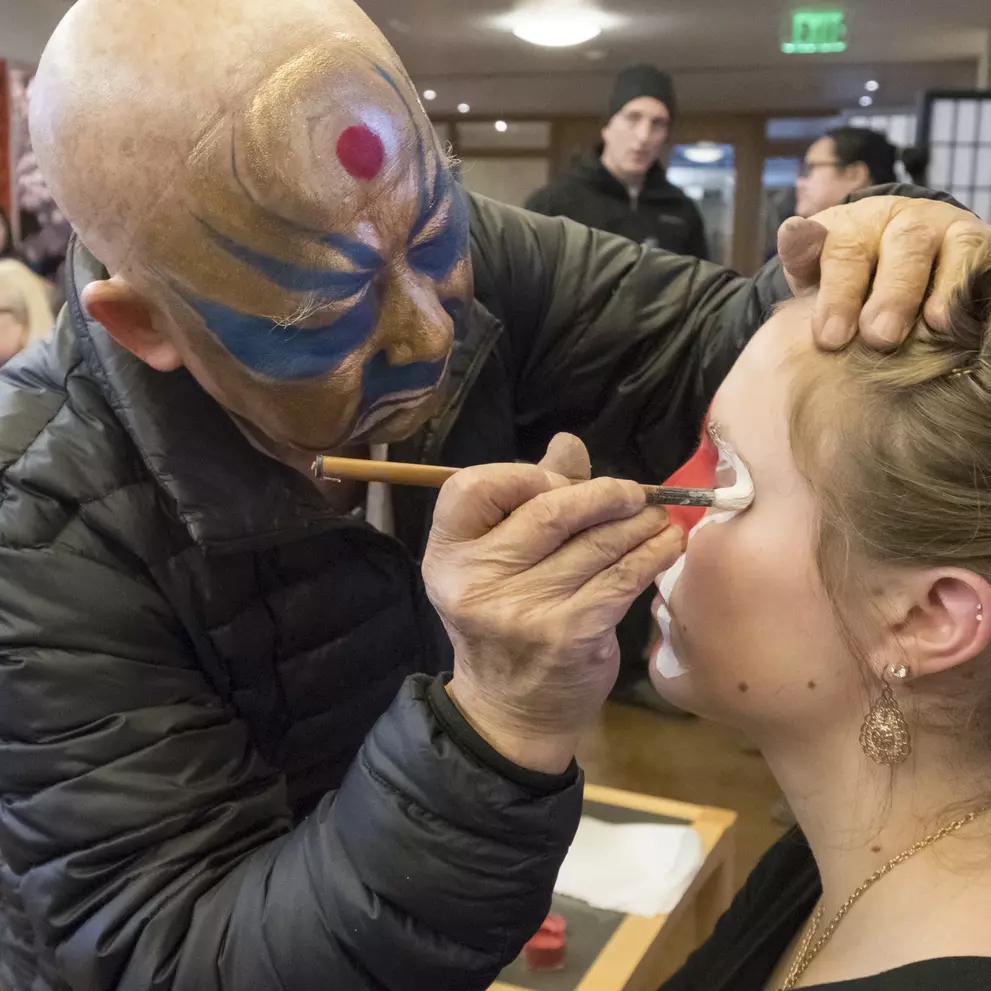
642,80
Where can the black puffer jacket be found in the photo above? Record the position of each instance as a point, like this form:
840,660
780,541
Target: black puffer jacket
660,216
194,651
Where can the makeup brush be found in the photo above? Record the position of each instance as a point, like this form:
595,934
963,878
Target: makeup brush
329,469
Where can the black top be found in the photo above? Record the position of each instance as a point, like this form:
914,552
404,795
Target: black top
765,916
661,216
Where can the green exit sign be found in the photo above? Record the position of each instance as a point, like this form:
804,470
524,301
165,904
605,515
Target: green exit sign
815,31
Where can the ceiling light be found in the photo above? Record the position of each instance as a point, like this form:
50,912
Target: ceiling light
463,108
704,153
430,94
866,101
872,86
501,126
557,25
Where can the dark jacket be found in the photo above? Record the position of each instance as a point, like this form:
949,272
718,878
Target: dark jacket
661,216
194,651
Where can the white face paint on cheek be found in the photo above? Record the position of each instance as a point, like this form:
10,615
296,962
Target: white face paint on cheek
665,659
740,494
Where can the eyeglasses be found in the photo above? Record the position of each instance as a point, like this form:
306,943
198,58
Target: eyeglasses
805,169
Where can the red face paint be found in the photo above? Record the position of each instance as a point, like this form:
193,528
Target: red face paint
698,472
360,151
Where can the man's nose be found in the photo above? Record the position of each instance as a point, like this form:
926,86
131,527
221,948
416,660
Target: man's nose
412,323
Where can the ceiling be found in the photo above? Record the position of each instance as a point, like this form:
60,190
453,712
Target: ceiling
725,55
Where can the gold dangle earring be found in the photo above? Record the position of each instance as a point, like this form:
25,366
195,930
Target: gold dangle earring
884,735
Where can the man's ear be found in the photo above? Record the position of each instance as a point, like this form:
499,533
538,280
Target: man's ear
938,620
130,321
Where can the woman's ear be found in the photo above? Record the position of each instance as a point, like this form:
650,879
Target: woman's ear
939,619
130,321
858,175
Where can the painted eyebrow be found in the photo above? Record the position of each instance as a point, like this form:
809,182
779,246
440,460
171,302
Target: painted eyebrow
440,252
282,351
330,283
719,437
436,256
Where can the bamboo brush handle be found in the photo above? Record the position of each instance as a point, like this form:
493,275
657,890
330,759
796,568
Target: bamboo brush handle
391,472
433,477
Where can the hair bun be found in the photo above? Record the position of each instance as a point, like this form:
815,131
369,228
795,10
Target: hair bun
915,162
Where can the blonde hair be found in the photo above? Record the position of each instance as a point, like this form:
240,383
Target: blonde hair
16,305
902,474
18,281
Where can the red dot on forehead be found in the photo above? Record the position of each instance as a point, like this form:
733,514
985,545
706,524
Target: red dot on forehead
360,151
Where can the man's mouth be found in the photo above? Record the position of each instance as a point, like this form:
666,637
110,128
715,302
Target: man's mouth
388,407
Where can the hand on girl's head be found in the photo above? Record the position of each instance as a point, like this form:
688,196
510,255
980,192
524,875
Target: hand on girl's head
884,247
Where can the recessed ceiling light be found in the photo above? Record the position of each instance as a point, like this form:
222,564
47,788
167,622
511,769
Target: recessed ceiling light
866,101
872,86
704,153
501,126
430,94
463,108
557,25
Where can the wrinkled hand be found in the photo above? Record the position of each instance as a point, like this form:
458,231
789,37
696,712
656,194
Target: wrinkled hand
839,249
530,574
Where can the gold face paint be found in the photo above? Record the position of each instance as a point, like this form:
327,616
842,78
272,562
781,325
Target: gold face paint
319,294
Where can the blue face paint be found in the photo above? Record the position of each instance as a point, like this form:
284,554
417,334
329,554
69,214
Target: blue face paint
288,352
441,252
457,311
436,256
331,284
381,379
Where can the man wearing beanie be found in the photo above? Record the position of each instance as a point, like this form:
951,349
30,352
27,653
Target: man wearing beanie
621,185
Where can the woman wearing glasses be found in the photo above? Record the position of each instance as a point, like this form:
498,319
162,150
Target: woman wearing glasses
847,159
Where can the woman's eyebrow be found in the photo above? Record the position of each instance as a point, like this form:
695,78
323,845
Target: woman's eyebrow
716,433
719,437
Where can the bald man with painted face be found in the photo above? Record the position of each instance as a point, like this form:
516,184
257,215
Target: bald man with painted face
227,760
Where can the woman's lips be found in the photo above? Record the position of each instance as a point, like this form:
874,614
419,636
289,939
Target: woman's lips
661,604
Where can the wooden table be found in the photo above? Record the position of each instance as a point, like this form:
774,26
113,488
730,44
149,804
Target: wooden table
631,952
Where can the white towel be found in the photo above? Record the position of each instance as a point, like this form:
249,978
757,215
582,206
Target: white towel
635,868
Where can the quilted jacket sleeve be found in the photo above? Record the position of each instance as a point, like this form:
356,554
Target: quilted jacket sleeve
149,846
623,345
620,344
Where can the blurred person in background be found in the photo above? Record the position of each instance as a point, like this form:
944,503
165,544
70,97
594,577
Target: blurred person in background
25,298
621,185
13,322
846,160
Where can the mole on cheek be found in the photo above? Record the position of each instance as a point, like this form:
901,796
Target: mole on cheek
360,151
743,686
812,683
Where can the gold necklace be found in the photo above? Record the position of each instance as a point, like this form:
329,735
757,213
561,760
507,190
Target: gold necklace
808,951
